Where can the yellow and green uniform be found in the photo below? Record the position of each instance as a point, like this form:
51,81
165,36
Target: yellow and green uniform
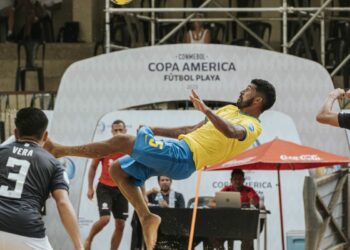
178,159
210,146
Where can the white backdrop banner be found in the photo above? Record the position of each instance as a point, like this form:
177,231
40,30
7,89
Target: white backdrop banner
94,87
264,182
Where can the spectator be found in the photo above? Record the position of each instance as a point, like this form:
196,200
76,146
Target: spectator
29,13
197,33
50,5
7,9
165,197
248,197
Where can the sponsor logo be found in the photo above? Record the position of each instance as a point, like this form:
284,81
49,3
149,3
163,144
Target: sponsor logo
104,205
238,162
253,184
300,158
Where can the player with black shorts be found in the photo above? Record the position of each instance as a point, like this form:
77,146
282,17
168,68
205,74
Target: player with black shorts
109,197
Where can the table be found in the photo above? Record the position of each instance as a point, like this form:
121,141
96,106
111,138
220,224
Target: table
220,223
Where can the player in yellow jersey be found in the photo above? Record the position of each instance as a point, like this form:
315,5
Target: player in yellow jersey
224,134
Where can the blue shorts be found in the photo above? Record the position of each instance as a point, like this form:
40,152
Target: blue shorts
154,157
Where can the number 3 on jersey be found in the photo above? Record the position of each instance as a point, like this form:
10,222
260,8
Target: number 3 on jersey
19,177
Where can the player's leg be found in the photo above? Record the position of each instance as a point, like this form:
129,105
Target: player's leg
104,202
150,222
120,143
120,208
117,233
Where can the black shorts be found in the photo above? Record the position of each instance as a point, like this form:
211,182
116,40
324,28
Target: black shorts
111,199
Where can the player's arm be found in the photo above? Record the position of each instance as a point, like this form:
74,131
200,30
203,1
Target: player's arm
228,129
91,177
326,115
175,132
68,216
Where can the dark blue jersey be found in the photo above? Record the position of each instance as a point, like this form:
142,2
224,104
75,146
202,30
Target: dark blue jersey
28,174
344,120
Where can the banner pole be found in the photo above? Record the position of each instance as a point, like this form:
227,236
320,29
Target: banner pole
194,213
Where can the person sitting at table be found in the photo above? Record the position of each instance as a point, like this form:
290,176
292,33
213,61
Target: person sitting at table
165,197
248,197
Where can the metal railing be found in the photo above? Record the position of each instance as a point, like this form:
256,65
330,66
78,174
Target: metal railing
312,13
12,101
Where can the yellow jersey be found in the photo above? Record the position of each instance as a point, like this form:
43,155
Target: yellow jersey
210,146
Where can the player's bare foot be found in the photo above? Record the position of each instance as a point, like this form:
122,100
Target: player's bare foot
150,226
87,244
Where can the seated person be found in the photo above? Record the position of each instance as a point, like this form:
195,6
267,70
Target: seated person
32,14
28,14
198,33
165,197
248,194
50,5
248,197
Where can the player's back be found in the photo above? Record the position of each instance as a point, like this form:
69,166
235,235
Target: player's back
27,175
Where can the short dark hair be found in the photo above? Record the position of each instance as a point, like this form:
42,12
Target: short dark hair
163,176
267,90
31,122
118,122
237,171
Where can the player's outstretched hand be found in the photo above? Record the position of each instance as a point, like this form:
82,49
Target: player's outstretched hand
338,93
198,103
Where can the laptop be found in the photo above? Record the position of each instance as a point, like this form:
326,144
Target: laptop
228,199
